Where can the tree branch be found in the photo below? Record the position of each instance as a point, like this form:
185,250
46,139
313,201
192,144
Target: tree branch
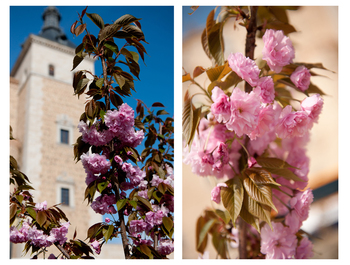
250,40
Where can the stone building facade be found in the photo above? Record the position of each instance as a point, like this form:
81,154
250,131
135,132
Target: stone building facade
44,115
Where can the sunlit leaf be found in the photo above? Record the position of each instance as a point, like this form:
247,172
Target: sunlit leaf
186,77
284,172
204,231
249,218
107,232
145,202
41,218
198,71
261,211
200,223
272,162
260,193
145,250
232,197
126,19
96,18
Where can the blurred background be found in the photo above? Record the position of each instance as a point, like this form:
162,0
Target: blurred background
316,41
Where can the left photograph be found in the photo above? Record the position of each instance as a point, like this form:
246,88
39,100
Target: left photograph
91,132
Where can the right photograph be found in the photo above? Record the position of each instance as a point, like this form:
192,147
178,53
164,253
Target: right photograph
260,132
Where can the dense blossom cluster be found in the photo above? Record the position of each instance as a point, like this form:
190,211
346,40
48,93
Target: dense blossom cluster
30,233
119,125
256,120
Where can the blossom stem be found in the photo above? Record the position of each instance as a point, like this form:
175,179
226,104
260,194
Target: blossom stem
242,247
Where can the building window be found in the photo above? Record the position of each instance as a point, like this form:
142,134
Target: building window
64,136
65,196
51,70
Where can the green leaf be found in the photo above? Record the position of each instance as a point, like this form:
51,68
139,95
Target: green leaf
260,193
107,233
133,203
99,82
92,231
260,176
231,80
216,44
101,186
121,203
96,18
204,231
31,212
111,46
119,79
232,197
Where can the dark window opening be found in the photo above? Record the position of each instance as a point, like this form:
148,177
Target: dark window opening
51,70
65,196
64,136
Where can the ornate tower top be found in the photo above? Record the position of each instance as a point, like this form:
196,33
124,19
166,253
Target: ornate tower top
51,29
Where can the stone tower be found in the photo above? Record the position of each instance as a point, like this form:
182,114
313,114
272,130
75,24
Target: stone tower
44,116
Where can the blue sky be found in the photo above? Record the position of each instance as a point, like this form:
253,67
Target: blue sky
157,76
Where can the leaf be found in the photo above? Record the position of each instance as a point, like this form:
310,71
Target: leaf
145,250
121,203
41,218
133,203
215,43
261,211
260,193
119,79
107,233
224,215
315,89
186,77
198,71
232,197
145,202
272,162
220,244
101,186
96,18
99,82
31,212
111,46
279,25
76,61
80,29
260,176
13,210
190,119
284,172
115,99
126,19
157,104
92,231
249,218
200,223
204,41
134,31
162,112
108,32
231,80
204,231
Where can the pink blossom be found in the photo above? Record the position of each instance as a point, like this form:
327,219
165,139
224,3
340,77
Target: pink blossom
301,78
244,67
118,160
301,203
137,226
107,220
280,243
304,250
16,236
156,180
221,108
215,193
104,204
38,238
92,136
120,120
266,89
154,218
165,247
259,144
90,178
143,194
134,174
312,106
292,123
251,161
41,206
96,246
95,163
59,234
278,50
245,110
266,122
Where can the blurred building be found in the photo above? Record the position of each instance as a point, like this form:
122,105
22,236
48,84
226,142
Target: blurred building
44,116
316,41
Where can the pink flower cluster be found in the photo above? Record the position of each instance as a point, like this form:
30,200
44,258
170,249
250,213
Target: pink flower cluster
120,124
301,78
37,237
165,247
135,175
278,50
244,67
95,163
104,204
